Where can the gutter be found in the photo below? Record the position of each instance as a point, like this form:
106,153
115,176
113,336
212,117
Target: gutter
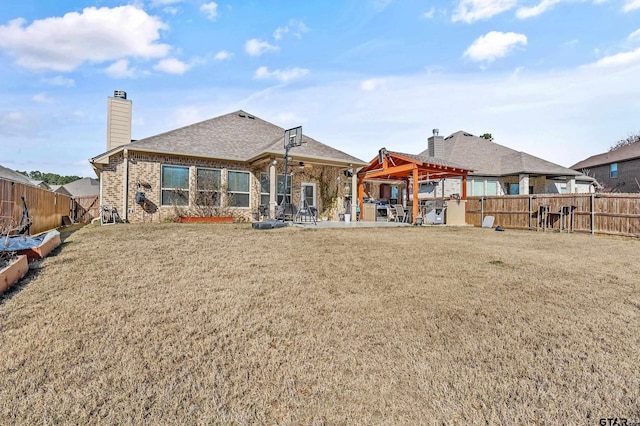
125,185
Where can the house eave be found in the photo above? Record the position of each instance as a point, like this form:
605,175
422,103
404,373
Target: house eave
266,156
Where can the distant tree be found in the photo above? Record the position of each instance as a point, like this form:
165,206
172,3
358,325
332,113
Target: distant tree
487,136
49,178
629,140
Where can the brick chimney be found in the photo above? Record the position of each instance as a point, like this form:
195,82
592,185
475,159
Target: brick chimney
118,120
436,145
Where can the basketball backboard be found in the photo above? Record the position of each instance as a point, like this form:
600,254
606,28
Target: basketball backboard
293,137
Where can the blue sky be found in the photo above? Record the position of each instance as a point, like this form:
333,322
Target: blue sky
559,79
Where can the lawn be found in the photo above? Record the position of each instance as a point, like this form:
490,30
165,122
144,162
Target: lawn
223,324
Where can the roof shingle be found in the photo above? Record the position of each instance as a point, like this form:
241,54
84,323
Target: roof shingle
488,158
237,136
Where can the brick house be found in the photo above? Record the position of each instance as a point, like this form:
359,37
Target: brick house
498,170
615,171
233,163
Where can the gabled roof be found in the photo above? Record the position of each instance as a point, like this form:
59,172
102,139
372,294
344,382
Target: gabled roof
83,187
9,174
59,189
488,158
625,153
40,184
237,136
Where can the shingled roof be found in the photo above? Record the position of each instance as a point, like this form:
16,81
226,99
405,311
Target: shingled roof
83,187
237,136
424,158
625,153
9,174
488,158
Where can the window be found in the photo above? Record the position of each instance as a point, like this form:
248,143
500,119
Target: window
174,186
208,182
513,189
309,193
613,170
264,189
281,188
238,183
492,187
478,187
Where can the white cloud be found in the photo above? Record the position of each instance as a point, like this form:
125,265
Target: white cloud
223,55
94,35
296,28
429,14
284,76
160,3
120,69
631,5
634,36
494,45
572,43
171,66
620,60
42,98
372,84
540,8
474,10
171,10
255,47
60,81
210,10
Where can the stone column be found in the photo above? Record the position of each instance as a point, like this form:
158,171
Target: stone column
273,184
571,184
524,184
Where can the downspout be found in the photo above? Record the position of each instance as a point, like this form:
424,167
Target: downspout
355,201
125,185
361,195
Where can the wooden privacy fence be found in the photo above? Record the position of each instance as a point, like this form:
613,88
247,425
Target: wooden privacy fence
613,214
46,208
85,208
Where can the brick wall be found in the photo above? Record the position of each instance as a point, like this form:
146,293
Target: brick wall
144,171
628,172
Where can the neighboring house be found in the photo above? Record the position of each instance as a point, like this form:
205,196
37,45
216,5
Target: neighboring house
498,170
234,162
41,184
8,174
85,187
60,189
616,171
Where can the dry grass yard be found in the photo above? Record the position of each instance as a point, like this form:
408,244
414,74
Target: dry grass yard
223,324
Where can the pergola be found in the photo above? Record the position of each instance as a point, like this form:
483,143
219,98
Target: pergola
390,165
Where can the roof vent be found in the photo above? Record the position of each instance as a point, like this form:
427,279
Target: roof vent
242,114
120,94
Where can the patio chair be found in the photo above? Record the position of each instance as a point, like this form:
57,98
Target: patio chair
401,215
286,211
307,213
391,213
